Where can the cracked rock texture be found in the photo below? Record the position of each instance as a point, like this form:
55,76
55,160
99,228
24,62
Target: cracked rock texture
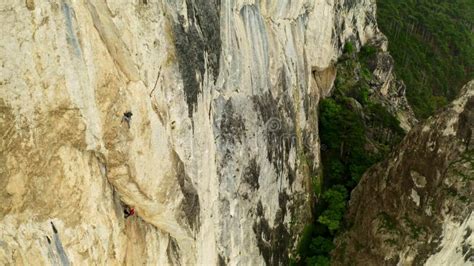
416,207
219,153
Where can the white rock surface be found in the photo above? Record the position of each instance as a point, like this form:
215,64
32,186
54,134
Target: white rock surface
224,113
457,237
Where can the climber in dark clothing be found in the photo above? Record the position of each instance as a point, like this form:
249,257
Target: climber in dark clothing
127,117
127,211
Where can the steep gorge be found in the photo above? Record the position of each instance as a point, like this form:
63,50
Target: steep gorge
416,207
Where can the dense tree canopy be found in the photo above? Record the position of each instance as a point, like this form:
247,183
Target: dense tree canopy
350,122
432,44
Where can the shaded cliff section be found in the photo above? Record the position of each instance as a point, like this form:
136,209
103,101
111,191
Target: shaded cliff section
416,206
359,125
198,46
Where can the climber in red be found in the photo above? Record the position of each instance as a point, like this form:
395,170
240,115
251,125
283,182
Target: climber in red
128,211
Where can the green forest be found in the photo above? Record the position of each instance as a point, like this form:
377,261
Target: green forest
356,131
432,42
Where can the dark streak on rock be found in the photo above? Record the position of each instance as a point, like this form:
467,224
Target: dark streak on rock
221,261
467,250
280,139
468,234
349,4
466,124
192,44
291,176
232,125
251,174
173,252
273,243
306,106
190,206
282,202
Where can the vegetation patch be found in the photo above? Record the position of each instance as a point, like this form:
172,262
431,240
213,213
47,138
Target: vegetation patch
388,223
415,230
432,43
356,131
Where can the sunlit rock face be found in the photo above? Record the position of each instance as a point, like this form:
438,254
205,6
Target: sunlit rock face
416,208
218,156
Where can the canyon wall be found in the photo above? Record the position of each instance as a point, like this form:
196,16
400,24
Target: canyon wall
416,207
218,156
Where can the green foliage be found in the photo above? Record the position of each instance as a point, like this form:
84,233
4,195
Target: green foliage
318,261
344,134
367,52
349,48
382,118
304,244
349,122
316,180
415,230
432,44
335,198
321,245
330,118
362,95
387,222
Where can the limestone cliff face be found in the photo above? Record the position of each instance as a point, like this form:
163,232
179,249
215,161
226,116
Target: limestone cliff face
417,207
391,92
221,145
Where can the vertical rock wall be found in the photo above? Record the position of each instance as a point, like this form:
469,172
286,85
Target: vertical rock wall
416,207
222,143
